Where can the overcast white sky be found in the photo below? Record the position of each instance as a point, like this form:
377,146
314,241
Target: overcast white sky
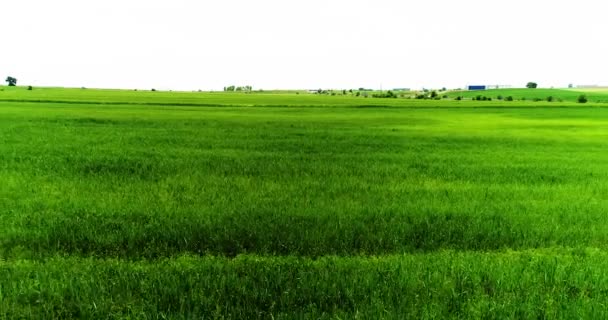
197,44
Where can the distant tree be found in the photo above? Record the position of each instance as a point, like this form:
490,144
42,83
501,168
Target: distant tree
344,92
358,93
30,88
11,81
229,88
153,89
550,99
582,99
532,85
458,98
433,94
570,86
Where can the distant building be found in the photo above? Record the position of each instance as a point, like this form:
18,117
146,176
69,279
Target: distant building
488,87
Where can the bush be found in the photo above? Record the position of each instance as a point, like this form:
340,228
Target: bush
550,99
388,94
582,99
509,98
499,97
30,88
458,98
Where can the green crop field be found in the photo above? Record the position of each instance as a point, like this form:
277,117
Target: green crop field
557,95
173,205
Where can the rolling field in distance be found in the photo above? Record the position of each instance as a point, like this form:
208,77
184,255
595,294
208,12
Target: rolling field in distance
291,99
558,95
121,204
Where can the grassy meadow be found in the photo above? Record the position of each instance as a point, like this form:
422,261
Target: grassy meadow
156,205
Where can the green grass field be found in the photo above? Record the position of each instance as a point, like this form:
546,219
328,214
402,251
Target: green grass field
154,205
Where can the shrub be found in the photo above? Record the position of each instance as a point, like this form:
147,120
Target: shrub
509,98
499,97
388,94
550,99
458,98
582,99
29,88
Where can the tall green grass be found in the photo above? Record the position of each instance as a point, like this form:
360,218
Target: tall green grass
558,284
150,211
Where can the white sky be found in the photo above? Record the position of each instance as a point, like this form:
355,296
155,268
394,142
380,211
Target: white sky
198,44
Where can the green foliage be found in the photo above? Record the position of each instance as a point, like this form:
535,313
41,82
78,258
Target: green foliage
388,94
531,85
582,98
509,98
11,81
550,99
